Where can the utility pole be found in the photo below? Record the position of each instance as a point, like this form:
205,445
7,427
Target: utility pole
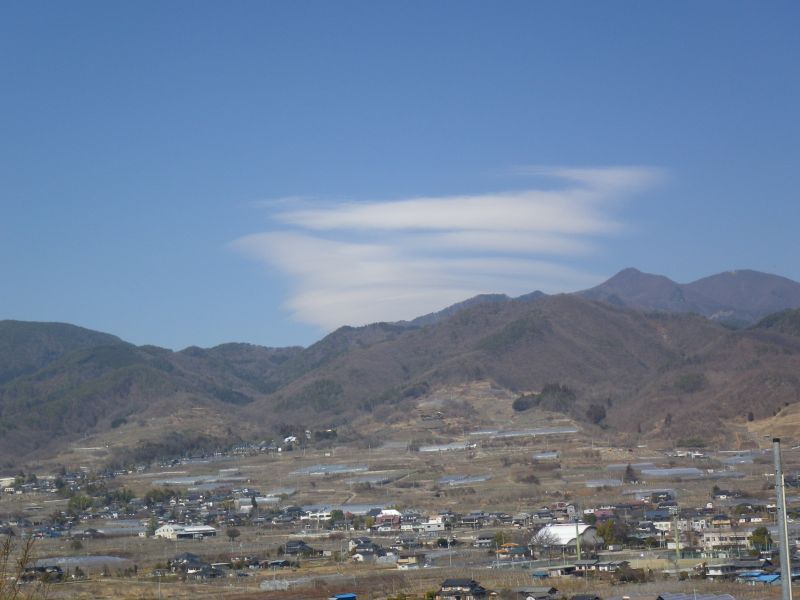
780,509
677,541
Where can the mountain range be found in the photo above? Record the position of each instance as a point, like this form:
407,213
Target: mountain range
638,354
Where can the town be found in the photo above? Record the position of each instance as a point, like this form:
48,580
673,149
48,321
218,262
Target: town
508,514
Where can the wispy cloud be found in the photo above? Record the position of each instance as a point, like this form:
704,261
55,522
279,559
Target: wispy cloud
360,262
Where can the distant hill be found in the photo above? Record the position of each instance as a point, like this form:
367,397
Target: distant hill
785,321
71,382
749,291
661,372
28,346
735,297
434,317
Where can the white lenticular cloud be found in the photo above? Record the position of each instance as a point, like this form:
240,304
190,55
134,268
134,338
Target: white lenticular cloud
530,211
354,263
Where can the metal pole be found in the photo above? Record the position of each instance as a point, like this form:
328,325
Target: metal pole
780,509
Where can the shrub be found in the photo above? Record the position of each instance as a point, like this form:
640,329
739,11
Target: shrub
523,403
691,382
596,413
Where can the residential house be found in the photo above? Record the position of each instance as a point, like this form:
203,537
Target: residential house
431,526
388,519
461,589
316,516
522,519
357,541
657,514
476,520
666,527
411,517
543,515
723,571
185,562
602,513
563,511
721,521
585,566
275,564
298,547
408,559
204,573
612,566
542,592
751,564
669,505
406,543
368,551
501,518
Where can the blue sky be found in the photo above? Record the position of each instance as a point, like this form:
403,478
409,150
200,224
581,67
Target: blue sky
185,173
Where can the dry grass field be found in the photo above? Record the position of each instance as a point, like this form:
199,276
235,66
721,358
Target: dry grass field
371,584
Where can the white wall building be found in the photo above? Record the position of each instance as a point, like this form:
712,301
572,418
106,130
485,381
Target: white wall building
183,532
564,535
716,539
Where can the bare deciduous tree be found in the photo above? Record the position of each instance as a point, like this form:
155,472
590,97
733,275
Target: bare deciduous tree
14,559
545,540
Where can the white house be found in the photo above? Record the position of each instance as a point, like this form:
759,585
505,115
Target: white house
430,526
666,526
318,515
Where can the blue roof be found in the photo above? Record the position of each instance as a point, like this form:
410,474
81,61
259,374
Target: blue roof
345,597
749,574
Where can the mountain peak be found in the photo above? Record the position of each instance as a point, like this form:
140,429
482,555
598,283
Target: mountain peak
741,296
754,291
629,271
631,287
634,274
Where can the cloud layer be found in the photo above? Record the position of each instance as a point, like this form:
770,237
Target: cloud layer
354,263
